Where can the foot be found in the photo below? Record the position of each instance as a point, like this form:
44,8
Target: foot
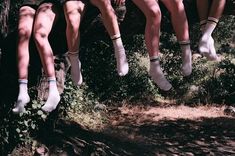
75,68
187,63
207,49
21,103
203,46
52,102
158,76
122,64
213,56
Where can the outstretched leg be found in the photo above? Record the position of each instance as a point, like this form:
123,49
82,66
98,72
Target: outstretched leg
180,25
44,20
152,12
74,11
111,25
25,26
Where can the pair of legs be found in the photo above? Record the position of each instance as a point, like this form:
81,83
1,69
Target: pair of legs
74,11
39,22
209,15
152,12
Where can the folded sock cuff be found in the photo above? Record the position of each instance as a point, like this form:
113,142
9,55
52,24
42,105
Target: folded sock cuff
184,43
23,81
114,37
213,20
51,79
70,53
203,22
154,58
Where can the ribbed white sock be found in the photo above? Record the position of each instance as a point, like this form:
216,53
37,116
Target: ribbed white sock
23,96
157,75
75,68
53,96
206,44
122,63
186,57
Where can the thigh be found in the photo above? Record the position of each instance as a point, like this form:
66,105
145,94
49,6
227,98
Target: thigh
26,17
45,17
146,5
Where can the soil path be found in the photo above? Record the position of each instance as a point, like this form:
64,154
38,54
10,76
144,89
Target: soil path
149,131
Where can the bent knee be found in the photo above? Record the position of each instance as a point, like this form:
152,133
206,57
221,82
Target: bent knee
103,5
27,11
154,12
177,6
24,33
40,36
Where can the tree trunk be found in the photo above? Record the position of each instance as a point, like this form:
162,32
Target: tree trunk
4,11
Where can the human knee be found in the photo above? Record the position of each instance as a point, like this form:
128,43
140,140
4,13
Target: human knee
40,35
106,8
27,11
73,11
24,33
177,6
154,13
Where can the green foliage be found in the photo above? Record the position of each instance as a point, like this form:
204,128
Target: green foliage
100,75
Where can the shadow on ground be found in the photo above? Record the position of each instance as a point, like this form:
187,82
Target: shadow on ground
202,136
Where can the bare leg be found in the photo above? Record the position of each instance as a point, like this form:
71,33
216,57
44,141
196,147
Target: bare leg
25,26
180,24
152,12
203,9
217,8
74,11
108,16
111,25
44,20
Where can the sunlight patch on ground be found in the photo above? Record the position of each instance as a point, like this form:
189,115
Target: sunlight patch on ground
175,112
132,122
92,121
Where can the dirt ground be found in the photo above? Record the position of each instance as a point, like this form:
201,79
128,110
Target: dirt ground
148,131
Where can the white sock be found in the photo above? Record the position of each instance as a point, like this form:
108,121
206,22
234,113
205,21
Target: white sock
122,64
23,96
206,43
53,96
186,57
157,75
202,25
212,53
75,68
